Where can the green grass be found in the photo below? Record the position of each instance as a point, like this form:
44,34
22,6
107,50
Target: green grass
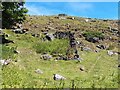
102,75
58,46
7,52
100,69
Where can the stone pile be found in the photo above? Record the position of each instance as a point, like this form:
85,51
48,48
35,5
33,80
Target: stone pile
72,52
61,35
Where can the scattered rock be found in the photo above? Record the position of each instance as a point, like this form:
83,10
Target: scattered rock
19,31
93,20
36,26
62,14
72,18
86,49
87,20
15,52
119,66
39,71
19,25
82,68
114,30
49,37
101,46
58,77
4,62
76,57
93,40
115,53
59,58
110,53
97,51
46,57
36,35
62,18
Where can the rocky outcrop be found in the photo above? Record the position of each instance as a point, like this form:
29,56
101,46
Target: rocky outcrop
3,40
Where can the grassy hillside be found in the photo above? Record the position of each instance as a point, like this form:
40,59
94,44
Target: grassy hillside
101,70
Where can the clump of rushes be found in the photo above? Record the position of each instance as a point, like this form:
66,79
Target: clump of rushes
58,46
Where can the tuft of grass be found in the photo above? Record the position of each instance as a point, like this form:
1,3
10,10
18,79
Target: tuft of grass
7,52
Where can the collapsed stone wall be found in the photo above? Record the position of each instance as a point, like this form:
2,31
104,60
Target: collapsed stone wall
72,52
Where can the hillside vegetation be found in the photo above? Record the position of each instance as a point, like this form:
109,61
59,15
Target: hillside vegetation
96,68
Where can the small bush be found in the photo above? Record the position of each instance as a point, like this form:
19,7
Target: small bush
57,46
